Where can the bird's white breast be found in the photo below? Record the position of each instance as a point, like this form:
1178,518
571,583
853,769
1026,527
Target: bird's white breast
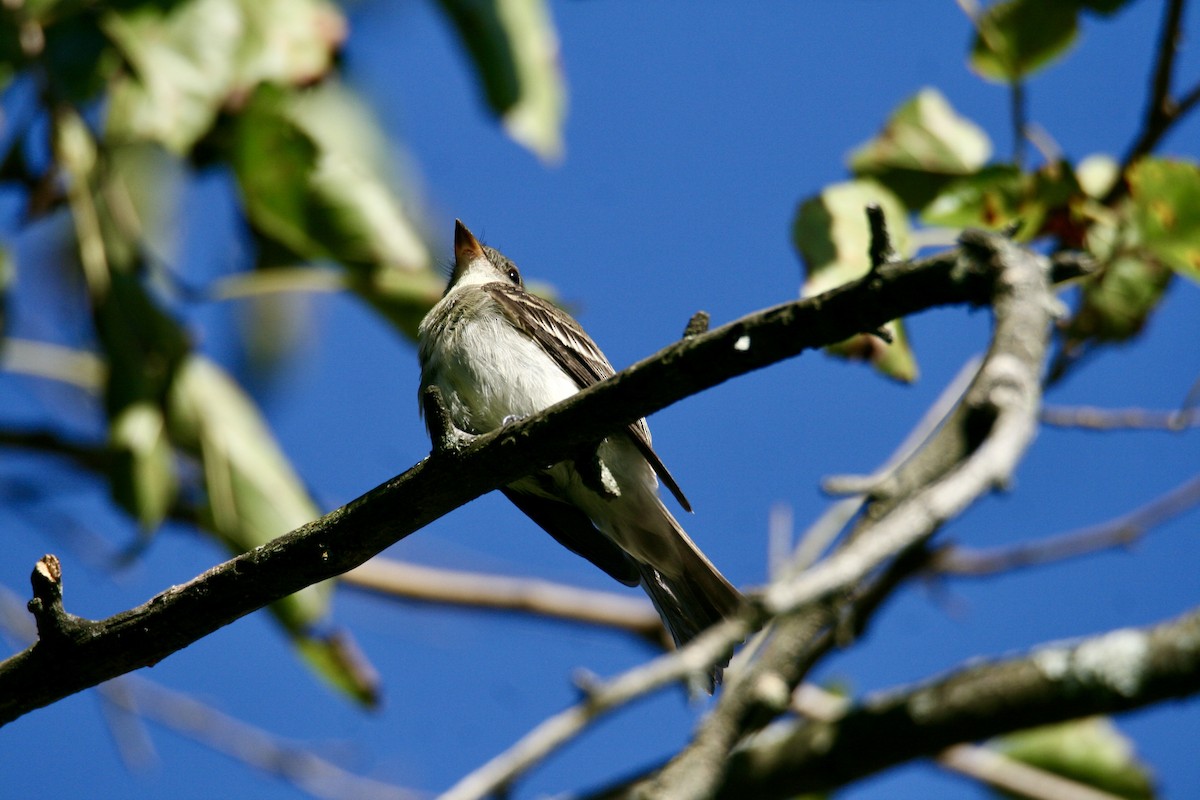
486,369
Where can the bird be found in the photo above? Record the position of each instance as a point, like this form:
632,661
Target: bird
499,353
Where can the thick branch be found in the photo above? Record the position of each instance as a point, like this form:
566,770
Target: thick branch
1118,671
348,536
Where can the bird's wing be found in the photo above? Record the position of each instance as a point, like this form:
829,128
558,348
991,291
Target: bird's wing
571,528
576,354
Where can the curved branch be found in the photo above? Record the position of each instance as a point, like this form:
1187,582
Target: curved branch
1117,671
348,536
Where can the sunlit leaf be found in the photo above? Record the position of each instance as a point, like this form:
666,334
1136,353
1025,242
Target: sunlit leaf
143,477
1017,37
188,59
924,145
1002,194
314,180
1088,751
254,496
1166,211
514,46
833,237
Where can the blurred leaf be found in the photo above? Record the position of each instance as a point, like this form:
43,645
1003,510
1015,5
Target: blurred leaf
1166,211
998,195
254,496
514,46
337,659
78,58
1089,751
1017,37
188,60
1116,305
313,177
924,145
143,476
833,237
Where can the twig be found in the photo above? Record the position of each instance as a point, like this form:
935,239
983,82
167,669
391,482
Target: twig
1120,532
1162,111
54,362
1108,419
1016,777
247,744
279,280
478,590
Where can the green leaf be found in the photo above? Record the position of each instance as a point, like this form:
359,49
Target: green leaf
514,47
1017,37
833,237
1166,211
254,496
998,195
143,477
1090,751
189,59
313,173
924,145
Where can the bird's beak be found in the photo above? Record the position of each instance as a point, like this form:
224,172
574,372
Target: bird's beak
466,250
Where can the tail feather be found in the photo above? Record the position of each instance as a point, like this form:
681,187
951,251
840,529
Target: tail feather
692,602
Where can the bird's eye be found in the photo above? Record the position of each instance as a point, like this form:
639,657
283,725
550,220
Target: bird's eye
514,276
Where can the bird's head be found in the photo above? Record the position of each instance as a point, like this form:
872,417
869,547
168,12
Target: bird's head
477,264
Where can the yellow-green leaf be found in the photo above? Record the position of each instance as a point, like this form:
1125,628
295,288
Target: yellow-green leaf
1016,37
833,237
923,145
143,473
188,58
1166,211
253,494
1090,751
514,46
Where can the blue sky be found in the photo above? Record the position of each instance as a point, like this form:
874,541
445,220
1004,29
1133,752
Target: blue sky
693,132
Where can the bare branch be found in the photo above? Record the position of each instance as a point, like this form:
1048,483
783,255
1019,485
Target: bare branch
1117,671
1119,532
246,743
478,590
348,536
1008,775
1108,419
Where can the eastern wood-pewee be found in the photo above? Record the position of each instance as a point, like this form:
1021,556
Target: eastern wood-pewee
498,353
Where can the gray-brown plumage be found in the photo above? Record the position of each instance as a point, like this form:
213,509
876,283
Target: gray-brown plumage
498,353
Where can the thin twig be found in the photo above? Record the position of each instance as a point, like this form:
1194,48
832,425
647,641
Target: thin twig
1120,532
55,362
478,590
1108,419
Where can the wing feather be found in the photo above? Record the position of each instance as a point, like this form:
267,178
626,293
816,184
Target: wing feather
573,350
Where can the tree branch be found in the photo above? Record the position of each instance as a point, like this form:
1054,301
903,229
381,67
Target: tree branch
1007,386
986,437
1120,532
1117,671
497,592
348,536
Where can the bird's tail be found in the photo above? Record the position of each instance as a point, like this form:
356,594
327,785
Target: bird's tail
692,601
